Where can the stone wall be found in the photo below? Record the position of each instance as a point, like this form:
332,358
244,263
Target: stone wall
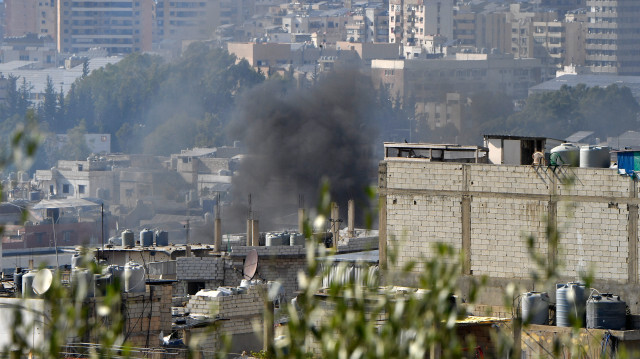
488,211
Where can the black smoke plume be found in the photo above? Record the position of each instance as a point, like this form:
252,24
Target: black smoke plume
296,139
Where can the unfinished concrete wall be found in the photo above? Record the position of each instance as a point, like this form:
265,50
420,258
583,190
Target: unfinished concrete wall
146,315
487,211
200,268
241,314
276,263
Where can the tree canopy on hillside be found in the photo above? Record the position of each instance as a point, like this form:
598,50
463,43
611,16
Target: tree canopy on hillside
606,111
144,101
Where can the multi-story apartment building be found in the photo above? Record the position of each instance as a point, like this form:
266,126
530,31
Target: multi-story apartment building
464,26
369,24
613,37
522,28
121,27
30,17
411,20
427,80
185,19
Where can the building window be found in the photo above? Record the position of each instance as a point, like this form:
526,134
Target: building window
128,193
81,188
65,188
66,236
51,189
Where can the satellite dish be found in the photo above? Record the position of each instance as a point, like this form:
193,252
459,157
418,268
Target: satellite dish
42,281
250,265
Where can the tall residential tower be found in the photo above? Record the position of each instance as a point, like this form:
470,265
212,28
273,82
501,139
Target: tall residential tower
613,37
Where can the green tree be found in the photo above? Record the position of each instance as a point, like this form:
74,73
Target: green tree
76,146
48,111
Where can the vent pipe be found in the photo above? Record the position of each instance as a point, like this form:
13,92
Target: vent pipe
217,229
255,233
335,223
351,219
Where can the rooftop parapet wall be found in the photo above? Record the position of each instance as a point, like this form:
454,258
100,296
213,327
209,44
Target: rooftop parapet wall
487,211
199,268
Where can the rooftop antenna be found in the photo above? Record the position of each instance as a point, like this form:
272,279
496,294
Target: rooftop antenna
42,281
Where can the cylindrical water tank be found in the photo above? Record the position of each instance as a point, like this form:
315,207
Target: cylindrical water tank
595,157
296,239
76,260
571,301
115,241
569,154
134,278
274,239
606,311
535,307
27,285
17,279
116,273
162,238
83,279
146,238
128,239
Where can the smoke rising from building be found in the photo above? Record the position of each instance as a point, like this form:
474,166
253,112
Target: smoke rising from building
296,138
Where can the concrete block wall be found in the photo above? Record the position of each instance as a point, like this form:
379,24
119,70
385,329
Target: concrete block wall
240,311
358,244
593,236
417,222
146,315
272,251
282,269
498,229
200,268
596,214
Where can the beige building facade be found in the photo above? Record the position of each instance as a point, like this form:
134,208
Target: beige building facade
24,17
120,27
411,20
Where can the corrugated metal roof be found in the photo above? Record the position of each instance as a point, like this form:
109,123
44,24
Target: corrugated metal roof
632,82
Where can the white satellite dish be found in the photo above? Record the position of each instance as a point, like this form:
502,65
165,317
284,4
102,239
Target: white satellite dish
42,281
250,265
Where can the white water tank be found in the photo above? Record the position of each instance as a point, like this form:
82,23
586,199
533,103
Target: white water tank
27,285
134,281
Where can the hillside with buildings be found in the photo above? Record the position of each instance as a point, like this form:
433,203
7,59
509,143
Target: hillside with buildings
338,178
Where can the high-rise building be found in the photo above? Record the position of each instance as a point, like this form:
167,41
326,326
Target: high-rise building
613,37
120,27
186,19
30,17
411,21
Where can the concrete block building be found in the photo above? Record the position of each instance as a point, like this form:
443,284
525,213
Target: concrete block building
488,211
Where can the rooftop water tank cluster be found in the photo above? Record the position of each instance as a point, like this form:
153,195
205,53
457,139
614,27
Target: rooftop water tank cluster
582,156
284,239
131,277
575,306
147,238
